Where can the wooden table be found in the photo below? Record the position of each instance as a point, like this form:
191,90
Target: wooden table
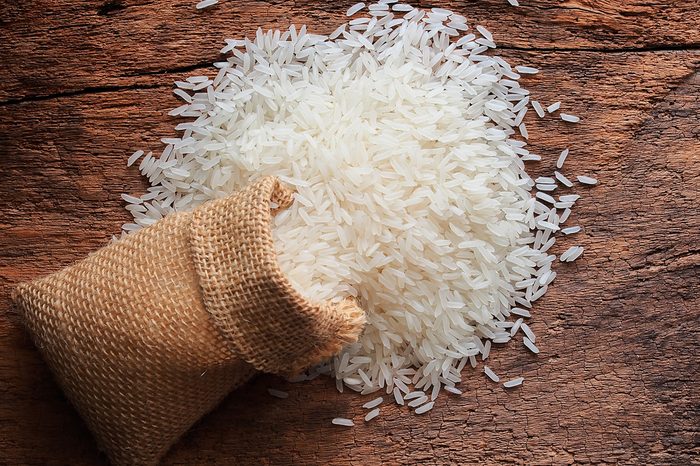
84,83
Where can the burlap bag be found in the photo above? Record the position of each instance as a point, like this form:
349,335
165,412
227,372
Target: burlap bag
149,333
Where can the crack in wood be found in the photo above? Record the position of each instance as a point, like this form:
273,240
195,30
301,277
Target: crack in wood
661,48
78,92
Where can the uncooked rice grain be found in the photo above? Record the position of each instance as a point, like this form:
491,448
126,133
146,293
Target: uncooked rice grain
562,158
355,8
205,4
571,230
491,374
569,118
514,382
563,179
526,70
577,254
564,215
523,130
341,421
571,254
485,32
553,108
425,408
520,312
374,403
586,180
528,333
416,394
372,414
453,390
134,157
545,197
530,345
516,326
538,108
418,401
569,198
398,397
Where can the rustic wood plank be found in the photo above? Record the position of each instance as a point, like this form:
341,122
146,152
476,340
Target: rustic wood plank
618,331
52,47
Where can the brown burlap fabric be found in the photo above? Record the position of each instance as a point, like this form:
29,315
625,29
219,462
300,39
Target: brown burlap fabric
149,333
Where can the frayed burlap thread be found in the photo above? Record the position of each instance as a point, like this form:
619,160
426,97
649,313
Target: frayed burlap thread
151,332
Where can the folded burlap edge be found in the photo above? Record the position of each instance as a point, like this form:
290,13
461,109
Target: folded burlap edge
279,331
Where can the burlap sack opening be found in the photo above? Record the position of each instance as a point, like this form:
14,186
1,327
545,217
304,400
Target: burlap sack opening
151,332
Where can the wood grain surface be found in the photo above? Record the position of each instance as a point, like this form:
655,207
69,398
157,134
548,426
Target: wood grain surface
84,83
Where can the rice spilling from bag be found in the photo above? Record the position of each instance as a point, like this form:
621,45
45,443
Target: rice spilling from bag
397,133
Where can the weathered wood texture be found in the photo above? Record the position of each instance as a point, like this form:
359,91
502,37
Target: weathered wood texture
84,83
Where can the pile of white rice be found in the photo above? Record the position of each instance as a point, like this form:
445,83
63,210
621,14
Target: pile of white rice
397,132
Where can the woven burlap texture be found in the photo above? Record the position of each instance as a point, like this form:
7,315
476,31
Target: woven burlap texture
151,332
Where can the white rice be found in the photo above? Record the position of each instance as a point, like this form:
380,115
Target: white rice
485,32
538,108
491,374
425,408
418,401
131,199
523,131
520,312
372,414
134,157
530,345
453,390
516,326
341,421
545,225
587,180
413,395
205,4
378,7
569,118
562,179
571,230
374,403
545,197
571,254
569,198
564,215
528,333
553,108
398,397
562,158
526,70
355,8
514,382
576,254
425,215
486,351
